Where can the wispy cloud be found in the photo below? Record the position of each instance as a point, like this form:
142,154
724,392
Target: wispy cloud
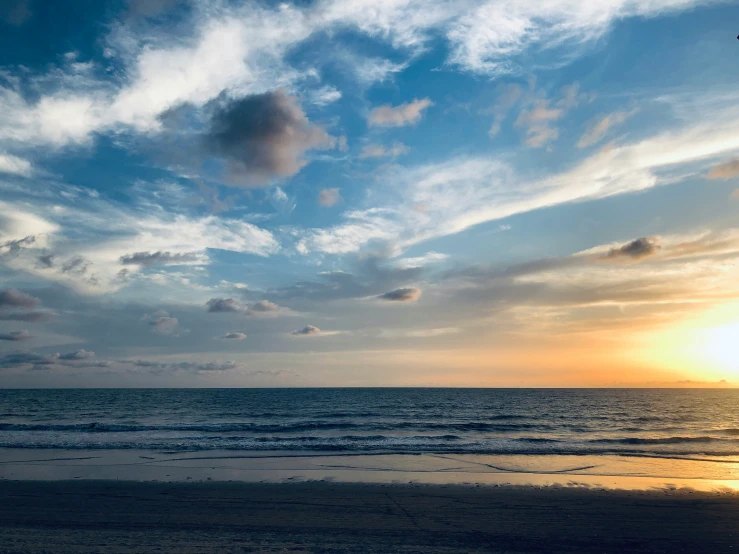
409,113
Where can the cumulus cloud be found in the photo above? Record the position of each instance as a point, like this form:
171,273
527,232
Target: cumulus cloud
263,136
409,113
181,366
725,170
148,259
407,294
329,197
635,250
380,151
234,336
218,305
161,322
15,336
307,331
598,129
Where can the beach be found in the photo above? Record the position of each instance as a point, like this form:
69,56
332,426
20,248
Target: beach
108,516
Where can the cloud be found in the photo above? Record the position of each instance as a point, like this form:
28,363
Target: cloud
380,151
598,129
409,113
264,306
76,266
428,333
263,136
408,294
13,298
181,366
46,260
15,336
14,165
148,259
232,305
220,305
32,360
635,250
508,96
308,330
325,95
725,170
15,12
161,322
538,123
329,197
30,317
234,336
78,355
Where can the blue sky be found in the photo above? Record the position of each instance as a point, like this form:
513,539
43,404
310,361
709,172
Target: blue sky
395,192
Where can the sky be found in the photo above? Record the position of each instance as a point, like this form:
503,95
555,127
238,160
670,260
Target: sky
229,193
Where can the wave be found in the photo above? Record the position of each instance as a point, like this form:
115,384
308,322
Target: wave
101,427
383,444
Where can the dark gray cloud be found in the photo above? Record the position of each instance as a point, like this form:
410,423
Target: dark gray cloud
30,317
218,305
307,330
15,12
15,336
76,266
13,247
407,294
232,305
47,260
234,336
32,360
181,366
147,259
635,250
13,298
263,136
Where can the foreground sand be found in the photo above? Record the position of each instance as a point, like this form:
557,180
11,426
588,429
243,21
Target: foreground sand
108,516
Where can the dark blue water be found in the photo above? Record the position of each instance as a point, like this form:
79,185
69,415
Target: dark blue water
492,421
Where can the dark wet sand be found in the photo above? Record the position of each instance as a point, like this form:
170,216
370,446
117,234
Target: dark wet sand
108,516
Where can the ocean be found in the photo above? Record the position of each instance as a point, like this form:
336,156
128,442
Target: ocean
643,422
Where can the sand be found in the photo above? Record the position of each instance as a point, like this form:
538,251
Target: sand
86,516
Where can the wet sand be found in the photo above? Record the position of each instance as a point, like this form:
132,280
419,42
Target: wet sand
87,516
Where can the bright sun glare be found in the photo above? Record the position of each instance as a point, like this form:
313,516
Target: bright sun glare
721,345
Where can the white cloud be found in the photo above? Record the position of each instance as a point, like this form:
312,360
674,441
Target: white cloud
15,165
415,204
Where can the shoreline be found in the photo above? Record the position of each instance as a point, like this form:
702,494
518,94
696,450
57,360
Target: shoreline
133,516
587,471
